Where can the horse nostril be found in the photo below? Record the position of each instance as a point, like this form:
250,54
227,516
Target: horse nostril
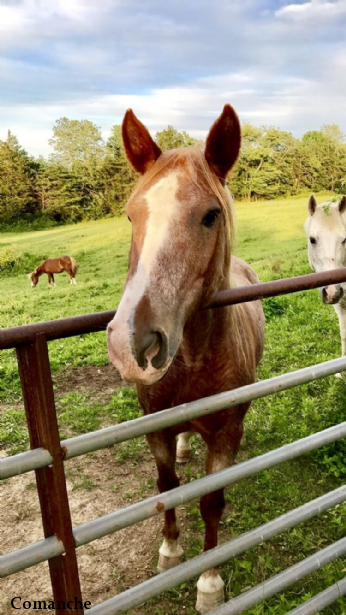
161,357
152,345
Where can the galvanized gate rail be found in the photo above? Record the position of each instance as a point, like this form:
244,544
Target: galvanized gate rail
47,455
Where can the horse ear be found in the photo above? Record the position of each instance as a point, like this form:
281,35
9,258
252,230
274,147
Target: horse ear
342,204
312,204
141,150
223,142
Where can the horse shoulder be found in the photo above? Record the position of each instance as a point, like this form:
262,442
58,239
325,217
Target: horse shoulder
251,313
241,273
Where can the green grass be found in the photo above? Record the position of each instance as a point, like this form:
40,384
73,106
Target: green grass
300,331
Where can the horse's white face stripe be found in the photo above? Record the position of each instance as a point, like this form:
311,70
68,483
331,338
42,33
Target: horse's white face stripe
162,205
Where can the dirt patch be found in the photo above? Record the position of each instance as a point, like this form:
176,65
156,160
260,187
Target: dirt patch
98,484
99,381
107,566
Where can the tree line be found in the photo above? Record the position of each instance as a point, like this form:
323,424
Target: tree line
87,178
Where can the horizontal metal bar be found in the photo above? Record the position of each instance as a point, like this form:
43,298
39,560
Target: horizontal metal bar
102,438
242,294
282,580
31,555
125,517
184,572
90,323
180,495
185,412
55,329
24,462
322,600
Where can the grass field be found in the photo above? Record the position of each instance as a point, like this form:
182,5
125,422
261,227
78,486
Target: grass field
300,331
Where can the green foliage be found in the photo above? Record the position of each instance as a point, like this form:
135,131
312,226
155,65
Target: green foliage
75,141
9,257
86,178
17,180
28,222
272,163
170,138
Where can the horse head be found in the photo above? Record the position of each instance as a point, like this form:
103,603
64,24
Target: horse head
326,232
181,215
33,276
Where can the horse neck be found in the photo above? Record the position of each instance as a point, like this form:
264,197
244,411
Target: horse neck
208,328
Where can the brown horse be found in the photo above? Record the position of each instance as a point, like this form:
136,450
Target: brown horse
180,257
55,265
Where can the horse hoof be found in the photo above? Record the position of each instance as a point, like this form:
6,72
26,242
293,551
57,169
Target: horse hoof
210,593
183,455
170,555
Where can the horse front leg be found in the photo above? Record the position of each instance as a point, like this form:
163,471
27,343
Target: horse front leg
340,309
341,312
163,447
221,453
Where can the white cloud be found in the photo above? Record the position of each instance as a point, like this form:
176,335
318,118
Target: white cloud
174,63
316,10
293,103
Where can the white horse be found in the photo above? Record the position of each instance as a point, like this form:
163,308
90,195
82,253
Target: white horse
326,233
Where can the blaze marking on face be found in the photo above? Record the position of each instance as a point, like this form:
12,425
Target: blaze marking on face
162,204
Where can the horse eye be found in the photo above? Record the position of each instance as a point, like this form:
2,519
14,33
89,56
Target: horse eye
210,218
312,239
344,241
129,219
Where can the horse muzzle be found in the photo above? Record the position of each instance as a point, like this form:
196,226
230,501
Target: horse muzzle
140,358
331,294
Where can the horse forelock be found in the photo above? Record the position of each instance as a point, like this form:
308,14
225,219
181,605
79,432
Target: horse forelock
191,162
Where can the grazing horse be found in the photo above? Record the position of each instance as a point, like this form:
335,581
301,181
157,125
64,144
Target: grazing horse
325,229
55,265
160,338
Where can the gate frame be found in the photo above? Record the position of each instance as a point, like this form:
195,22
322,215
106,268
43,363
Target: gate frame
48,453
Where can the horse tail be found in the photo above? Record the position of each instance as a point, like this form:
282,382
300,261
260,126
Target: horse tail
74,266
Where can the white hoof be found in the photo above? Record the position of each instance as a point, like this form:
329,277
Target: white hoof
183,455
170,555
184,447
210,592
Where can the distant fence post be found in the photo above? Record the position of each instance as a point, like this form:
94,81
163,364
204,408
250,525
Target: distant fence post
36,380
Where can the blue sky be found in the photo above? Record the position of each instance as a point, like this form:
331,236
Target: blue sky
279,63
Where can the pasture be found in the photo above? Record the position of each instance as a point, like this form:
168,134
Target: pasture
300,331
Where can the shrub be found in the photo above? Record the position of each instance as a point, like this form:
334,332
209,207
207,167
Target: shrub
9,258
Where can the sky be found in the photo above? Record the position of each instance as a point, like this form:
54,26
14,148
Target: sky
175,62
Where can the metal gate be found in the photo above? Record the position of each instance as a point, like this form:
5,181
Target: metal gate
47,457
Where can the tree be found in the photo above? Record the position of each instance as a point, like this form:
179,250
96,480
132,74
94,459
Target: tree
76,141
170,138
117,175
61,192
17,179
